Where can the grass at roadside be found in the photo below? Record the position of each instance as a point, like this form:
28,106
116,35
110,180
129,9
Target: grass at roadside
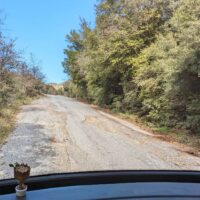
8,117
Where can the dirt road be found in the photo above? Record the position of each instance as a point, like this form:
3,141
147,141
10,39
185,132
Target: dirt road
58,134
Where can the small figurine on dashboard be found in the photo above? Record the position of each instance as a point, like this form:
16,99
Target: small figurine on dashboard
21,173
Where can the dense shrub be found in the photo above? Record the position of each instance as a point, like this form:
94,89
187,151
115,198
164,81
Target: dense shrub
142,57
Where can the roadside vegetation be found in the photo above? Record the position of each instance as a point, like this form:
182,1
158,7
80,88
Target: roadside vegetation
142,59
20,82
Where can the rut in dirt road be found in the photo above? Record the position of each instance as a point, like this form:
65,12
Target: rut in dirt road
58,134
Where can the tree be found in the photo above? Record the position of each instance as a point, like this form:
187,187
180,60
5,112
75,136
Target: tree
141,57
168,74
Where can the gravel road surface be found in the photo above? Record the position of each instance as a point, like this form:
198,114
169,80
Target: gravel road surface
58,134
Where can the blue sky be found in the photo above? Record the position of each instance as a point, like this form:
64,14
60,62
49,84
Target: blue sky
40,26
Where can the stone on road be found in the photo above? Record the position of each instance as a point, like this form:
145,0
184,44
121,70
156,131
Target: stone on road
58,134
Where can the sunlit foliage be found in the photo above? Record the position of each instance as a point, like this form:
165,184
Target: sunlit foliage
143,58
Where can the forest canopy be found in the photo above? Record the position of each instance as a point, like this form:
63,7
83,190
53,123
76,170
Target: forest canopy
143,58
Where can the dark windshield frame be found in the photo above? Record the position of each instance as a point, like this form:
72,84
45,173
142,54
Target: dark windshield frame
102,177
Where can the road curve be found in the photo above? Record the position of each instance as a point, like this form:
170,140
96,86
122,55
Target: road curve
58,134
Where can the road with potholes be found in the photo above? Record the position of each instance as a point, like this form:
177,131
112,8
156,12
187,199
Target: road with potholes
58,134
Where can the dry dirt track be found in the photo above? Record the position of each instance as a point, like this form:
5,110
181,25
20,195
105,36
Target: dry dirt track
59,134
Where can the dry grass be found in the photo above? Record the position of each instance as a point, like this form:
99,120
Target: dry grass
8,117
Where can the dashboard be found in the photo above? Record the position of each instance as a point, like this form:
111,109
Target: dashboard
113,185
